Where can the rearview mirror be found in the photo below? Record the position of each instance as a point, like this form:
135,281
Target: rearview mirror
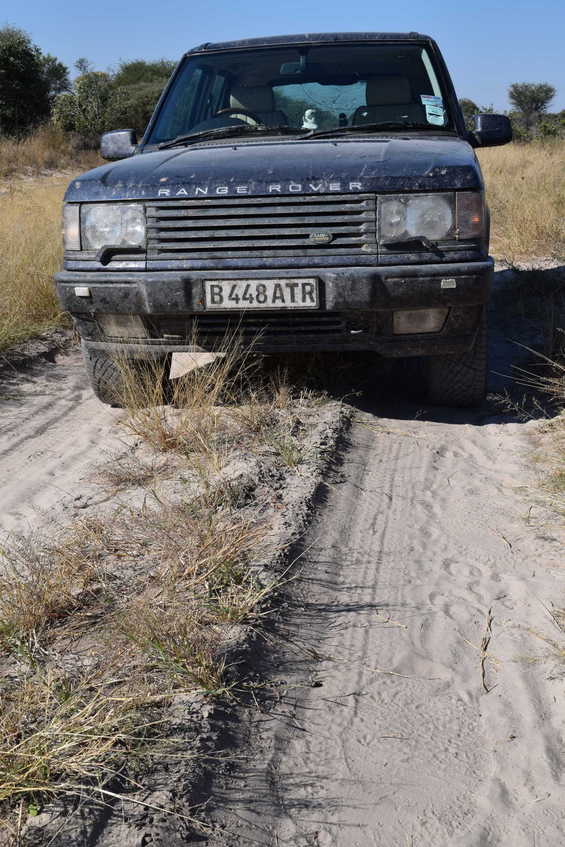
118,144
491,130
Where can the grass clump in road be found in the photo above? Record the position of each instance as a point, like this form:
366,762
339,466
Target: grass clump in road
102,631
139,605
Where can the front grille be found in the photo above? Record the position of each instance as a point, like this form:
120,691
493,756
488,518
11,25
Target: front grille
226,227
216,327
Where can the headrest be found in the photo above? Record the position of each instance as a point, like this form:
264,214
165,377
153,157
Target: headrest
387,90
258,98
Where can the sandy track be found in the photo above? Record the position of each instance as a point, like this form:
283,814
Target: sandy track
425,531
429,524
53,432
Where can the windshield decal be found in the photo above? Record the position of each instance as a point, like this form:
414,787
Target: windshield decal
433,105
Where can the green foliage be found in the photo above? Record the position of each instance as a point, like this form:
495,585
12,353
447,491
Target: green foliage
131,106
531,100
469,109
56,76
26,82
140,71
85,109
101,101
83,66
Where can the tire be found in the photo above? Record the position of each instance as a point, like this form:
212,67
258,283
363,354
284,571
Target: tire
107,377
460,380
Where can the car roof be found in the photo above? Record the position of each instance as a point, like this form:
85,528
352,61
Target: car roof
309,38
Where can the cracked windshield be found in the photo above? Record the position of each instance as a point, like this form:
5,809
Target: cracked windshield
304,89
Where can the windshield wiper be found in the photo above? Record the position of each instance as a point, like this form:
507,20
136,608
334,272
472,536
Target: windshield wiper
226,132
372,127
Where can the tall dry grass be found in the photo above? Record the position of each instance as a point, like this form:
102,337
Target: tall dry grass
47,149
31,250
526,193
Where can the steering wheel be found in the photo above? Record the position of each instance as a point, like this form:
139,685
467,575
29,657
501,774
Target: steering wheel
242,114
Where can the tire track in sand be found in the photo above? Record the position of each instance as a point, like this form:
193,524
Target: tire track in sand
400,745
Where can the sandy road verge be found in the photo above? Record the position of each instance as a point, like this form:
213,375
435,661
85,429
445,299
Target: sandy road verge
143,574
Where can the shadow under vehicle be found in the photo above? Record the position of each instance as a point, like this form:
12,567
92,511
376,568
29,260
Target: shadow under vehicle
315,192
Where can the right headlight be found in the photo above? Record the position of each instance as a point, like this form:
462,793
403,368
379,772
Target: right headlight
112,225
438,217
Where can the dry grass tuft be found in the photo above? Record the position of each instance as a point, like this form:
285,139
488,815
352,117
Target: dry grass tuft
60,733
184,414
156,591
40,586
212,408
526,193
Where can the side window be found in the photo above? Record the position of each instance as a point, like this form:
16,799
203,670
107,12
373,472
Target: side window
177,115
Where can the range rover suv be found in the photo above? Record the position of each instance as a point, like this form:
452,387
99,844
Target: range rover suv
309,192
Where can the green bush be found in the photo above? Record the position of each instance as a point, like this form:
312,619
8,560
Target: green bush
85,110
101,101
130,107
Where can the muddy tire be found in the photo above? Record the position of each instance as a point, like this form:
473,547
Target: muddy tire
460,380
107,377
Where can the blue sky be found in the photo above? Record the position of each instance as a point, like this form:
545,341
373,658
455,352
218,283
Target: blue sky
487,45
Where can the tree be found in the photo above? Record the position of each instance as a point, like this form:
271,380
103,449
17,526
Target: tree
137,86
531,99
83,66
102,101
139,71
85,109
131,106
24,88
56,76
469,109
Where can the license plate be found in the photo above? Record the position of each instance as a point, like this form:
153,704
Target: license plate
246,294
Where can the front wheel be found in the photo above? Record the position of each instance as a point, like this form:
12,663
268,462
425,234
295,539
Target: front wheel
461,379
127,382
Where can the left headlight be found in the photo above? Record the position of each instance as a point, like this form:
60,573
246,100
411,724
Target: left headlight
112,225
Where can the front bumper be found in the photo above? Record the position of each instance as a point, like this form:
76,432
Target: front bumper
362,300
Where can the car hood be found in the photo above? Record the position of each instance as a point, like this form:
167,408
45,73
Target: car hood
286,166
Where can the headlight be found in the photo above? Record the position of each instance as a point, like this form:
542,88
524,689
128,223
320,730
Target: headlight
434,216
430,216
112,225
405,216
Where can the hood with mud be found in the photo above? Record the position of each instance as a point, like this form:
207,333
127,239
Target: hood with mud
285,166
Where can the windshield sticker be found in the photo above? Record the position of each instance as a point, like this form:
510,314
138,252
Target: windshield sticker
434,109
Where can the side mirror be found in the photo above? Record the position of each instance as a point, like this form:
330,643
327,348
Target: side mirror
118,144
491,130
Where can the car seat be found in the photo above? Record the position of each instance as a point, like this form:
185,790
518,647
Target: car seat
389,98
260,100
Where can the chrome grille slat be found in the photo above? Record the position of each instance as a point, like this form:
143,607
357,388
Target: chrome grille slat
260,226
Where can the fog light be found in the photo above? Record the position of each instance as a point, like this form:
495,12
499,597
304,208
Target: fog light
122,326
418,320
